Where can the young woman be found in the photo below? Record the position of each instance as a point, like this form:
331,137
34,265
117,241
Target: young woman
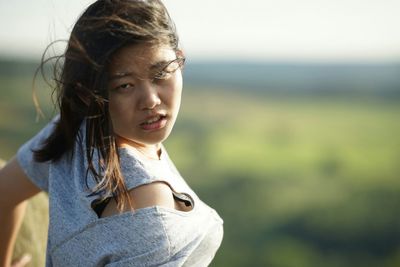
116,198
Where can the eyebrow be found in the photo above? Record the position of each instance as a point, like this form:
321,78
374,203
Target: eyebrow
122,74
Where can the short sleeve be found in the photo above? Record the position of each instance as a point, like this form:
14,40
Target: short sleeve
37,172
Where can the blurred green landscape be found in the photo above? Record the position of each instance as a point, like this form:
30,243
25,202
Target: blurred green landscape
300,177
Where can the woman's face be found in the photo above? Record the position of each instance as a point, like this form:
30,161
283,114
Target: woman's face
145,89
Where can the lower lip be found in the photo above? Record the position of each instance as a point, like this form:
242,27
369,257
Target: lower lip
155,125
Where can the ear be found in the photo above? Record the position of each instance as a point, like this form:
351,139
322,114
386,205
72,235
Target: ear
180,53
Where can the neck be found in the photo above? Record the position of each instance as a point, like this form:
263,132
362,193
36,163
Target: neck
152,151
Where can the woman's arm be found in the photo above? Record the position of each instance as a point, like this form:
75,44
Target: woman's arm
15,189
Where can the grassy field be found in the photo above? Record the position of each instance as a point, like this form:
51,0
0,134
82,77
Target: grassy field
299,181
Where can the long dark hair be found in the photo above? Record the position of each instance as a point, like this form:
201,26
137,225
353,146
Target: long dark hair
81,83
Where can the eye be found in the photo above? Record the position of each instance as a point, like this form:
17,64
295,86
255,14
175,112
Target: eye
163,75
123,88
172,66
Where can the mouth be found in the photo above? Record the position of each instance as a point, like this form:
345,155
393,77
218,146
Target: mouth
154,123
153,119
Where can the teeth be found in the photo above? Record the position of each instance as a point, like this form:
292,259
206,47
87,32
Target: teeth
153,120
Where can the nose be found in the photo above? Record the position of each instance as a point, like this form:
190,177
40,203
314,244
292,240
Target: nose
149,97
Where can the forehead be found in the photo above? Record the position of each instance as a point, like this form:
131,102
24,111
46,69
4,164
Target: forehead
140,57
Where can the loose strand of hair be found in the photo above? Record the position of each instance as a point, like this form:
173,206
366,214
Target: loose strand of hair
40,69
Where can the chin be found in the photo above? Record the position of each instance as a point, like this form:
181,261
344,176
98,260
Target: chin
153,139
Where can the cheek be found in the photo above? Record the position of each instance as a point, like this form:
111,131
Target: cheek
119,108
113,107
177,90
172,98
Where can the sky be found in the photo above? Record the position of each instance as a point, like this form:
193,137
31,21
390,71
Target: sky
252,30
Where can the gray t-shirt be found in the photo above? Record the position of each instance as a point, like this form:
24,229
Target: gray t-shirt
150,236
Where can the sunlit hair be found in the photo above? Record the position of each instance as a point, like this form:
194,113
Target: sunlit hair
81,84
